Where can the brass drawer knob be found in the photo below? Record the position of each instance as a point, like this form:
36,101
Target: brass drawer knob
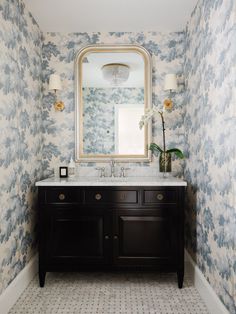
98,196
107,237
61,197
160,196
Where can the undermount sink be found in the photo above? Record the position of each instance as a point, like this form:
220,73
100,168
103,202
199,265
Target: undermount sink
113,179
107,180
99,179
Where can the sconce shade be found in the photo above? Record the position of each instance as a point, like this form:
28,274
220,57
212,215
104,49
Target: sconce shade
170,82
54,82
115,73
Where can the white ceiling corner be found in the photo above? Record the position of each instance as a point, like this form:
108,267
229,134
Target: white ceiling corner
111,15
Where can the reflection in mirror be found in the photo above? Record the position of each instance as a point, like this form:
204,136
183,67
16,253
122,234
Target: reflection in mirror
113,90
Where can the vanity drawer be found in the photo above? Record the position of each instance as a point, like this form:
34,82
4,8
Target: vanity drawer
159,196
111,196
63,195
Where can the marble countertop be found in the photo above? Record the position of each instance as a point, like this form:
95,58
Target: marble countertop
117,181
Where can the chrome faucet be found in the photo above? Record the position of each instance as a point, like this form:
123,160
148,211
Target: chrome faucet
102,172
123,172
112,168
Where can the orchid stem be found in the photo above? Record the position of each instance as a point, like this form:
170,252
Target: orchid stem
164,138
163,131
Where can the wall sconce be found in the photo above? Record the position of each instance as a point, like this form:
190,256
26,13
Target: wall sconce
55,85
170,85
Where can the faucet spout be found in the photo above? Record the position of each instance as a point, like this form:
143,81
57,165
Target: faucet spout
112,169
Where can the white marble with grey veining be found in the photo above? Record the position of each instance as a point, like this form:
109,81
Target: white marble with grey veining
116,181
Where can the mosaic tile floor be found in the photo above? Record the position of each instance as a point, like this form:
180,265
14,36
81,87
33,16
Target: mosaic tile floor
110,293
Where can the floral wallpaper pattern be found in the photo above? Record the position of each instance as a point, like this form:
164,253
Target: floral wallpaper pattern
59,51
34,138
99,105
20,136
210,141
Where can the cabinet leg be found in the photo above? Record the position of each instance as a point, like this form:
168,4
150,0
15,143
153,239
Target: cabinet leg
180,276
42,275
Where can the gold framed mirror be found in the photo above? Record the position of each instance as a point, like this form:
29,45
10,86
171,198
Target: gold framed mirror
112,91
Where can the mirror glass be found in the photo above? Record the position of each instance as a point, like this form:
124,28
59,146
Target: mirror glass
113,91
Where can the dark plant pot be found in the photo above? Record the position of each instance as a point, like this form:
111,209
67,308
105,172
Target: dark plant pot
165,162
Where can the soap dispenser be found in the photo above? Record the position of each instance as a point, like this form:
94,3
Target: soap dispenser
71,168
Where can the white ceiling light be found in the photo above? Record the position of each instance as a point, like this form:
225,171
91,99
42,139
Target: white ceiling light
115,73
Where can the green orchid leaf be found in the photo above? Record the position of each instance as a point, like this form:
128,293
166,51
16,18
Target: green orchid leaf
155,149
177,152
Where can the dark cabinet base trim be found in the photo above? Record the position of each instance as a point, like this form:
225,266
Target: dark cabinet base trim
64,268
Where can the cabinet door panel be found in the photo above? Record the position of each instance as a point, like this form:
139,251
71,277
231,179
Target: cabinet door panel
77,237
144,236
82,236
143,239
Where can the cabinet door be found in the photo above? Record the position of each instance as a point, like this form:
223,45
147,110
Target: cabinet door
144,238
78,236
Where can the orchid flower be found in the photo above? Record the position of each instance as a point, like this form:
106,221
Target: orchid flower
167,105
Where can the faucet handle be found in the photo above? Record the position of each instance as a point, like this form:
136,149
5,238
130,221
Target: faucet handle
112,162
102,171
123,171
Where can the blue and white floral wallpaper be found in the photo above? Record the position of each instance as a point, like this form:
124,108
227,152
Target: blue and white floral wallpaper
20,136
210,128
59,51
99,105
34,137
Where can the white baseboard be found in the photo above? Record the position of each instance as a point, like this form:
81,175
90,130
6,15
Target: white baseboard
213,303
10,295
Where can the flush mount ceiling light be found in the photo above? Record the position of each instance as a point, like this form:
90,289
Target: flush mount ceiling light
115,73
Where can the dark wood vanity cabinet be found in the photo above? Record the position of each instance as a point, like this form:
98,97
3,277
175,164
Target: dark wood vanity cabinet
88,228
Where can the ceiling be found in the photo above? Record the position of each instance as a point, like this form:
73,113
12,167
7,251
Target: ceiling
111,15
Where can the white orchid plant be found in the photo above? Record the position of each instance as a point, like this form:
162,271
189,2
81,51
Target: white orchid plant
168,104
